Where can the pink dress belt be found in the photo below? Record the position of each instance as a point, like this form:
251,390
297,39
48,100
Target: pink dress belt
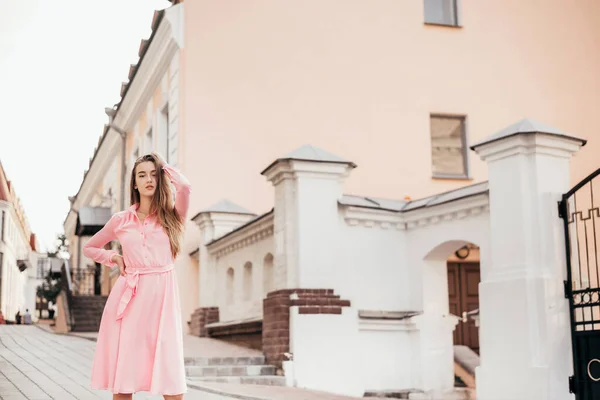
132,279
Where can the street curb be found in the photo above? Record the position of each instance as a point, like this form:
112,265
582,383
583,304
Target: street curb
222,393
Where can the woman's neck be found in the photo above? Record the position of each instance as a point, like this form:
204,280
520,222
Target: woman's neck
144,207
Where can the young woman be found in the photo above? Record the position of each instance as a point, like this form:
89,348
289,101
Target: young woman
140,342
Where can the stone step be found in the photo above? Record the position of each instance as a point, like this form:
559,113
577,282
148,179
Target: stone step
226,361
87,319
87,314
229,370
86,328
273,380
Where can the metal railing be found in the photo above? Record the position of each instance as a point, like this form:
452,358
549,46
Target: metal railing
86,282
67,293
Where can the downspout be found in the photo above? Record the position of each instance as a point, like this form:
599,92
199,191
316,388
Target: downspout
123,166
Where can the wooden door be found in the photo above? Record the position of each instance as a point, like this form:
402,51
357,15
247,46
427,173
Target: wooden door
463,291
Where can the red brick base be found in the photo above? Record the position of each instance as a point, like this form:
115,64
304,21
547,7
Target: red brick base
276,317
200,318
246,333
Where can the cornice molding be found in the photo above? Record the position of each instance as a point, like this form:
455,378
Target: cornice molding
384,219
250,234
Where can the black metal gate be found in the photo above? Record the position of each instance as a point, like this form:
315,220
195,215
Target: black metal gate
579,210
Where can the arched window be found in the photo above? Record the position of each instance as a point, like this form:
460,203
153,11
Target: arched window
230,285
248,281
268,274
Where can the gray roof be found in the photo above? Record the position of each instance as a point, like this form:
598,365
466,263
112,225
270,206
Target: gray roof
94,216
403,206
311,153
525,126
226,206
372,202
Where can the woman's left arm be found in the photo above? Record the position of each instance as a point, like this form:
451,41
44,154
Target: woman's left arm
182,188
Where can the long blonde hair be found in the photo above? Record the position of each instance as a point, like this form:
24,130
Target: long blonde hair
162,203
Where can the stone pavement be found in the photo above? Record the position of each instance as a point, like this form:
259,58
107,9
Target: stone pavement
38,364
35,364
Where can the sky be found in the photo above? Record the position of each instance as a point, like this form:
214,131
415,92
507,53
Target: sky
61,63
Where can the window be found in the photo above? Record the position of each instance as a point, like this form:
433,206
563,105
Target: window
448,146
268,277
230,289
248,281
441,12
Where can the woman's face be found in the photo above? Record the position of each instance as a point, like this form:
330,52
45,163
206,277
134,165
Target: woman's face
145,178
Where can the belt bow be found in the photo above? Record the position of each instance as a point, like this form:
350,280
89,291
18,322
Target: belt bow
131,284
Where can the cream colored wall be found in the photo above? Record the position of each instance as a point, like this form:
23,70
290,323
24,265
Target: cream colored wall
239,306
360,79
186,267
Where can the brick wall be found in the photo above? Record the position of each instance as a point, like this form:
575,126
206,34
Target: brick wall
276,317
200,318
247,333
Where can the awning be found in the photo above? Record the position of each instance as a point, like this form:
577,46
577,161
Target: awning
91,219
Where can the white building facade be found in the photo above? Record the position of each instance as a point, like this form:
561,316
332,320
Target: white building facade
17,287
356,294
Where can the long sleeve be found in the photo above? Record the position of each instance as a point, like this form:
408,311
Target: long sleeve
94,248
182,190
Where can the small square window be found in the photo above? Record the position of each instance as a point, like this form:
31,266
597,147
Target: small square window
441,12
448,146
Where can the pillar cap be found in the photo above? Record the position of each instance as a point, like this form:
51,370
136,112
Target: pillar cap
224,207
526,126
310,153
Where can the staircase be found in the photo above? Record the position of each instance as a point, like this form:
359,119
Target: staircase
86,312
246,370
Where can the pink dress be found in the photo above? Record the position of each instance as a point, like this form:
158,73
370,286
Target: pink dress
140,342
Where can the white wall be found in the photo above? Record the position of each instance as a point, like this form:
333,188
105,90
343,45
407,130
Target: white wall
241,308
370,268
387,354
326,356
15,247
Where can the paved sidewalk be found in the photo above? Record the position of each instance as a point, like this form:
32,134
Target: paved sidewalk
38,364
35,364
193,346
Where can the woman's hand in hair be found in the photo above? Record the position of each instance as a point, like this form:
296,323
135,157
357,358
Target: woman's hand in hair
159,159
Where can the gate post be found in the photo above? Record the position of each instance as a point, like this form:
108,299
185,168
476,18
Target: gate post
524,326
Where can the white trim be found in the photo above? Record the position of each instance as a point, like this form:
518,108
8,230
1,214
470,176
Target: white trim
386,325
384,219
526,144
246,236
166,43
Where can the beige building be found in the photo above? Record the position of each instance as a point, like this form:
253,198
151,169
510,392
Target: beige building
401,88
18,254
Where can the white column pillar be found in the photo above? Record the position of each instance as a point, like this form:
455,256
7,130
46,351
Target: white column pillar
308,185
206,226
524,332
213,223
